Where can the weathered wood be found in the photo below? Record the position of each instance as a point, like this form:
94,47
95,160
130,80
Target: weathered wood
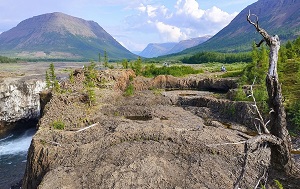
85,128
280,153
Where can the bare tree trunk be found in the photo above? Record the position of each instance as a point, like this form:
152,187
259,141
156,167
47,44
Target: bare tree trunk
280,154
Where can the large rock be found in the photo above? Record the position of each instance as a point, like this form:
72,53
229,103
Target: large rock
19,100
172,148
141,141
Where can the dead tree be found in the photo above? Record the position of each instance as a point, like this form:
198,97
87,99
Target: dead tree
281,146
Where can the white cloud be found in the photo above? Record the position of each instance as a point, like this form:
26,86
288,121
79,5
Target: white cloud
142,8
181,20
170,33
151,11
218,16
189,7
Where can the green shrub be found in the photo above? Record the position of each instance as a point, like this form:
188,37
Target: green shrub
48,82
51,81
129,91
240,95
293,112
58,125
278,184
90,75
57,87
71,77
130,78
137,66
91,96
125,64
236,73
177,71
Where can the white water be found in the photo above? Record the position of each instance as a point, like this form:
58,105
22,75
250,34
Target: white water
16,144
13,155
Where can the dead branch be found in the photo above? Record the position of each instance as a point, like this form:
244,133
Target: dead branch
260,118
262,32
236,184
252,145
90,126
261,41
263,177
223,144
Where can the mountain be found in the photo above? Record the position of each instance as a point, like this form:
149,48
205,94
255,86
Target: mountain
185,44
60,36
280,17
160,49
156,49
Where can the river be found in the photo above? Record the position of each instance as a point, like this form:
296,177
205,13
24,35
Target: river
13,155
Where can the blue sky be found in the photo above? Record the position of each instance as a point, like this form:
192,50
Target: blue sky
134,23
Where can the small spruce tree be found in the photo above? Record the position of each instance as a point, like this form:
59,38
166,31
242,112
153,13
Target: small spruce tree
105,59
125,63
48,82
52,74
138,66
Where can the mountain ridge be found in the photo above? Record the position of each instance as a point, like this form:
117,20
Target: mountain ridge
277,17
58,35
160,49
156,49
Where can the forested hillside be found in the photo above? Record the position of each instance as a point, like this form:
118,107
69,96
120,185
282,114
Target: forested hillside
206,57
4,59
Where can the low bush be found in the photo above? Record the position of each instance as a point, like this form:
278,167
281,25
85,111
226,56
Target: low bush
58,125
293,114
129,91
177,71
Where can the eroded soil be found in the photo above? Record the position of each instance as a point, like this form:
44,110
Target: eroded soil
147,140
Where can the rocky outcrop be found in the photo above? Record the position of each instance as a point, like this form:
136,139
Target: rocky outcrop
189,82
140,141
173,148
19,100
239,112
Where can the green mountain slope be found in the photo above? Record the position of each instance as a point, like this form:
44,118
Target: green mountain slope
57,35
281,17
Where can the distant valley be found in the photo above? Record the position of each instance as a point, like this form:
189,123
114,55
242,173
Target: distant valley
160,49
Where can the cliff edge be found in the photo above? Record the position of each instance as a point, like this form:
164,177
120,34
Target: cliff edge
151,139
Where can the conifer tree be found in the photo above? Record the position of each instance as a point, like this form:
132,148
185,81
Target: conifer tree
48,82
105,59
125,63
52,74
138,66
